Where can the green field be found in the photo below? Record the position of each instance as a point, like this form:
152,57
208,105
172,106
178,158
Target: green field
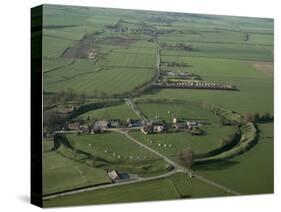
62,174
113,151
111,62
175,187
250,173
122,112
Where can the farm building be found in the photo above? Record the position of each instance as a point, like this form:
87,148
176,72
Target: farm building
96,130
85,128
101,124
154,127
73,126
192,124
113,175
113,123
64,110
135,123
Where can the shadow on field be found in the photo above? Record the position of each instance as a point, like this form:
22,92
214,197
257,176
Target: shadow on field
215,166
152,91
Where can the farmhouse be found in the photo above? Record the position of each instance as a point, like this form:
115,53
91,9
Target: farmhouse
113,123
192,124
154,127
96,130
113,175
85,128
100,124
64,110
135,123
73,126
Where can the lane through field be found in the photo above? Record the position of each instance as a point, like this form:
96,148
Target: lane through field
178,167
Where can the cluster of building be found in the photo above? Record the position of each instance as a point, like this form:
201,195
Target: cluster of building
163,127
196,85
98,126
146,127
155,127
177,73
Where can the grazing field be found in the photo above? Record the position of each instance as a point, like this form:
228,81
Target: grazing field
130,59
250,173
53,47
60,174
181,110
255,87
115,151
111,81
122,112
182,140
233,51
175,187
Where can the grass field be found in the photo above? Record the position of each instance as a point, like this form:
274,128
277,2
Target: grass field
255,87
174,187
119,153
122,112
60,174
250,173
120,80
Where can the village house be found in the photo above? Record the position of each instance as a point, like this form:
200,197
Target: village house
101,124
191,124
64,110
135,123
154,127
73,126
85,128
96,130
113,123
113,175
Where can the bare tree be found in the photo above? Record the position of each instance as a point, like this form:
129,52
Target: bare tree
186,157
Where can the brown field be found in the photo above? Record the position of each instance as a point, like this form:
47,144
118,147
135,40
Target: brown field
265,67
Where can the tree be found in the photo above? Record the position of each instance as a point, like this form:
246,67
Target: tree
83,98
186,157
196,131
249,117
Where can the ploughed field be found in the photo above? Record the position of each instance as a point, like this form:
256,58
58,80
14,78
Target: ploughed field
111,53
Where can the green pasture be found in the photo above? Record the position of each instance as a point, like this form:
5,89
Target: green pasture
130,60
122,112
250,173
181,140
228,51
115,151
177,186
255,87
54,47
111,81
60,174
50,64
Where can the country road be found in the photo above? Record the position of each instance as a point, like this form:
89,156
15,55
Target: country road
138,180
175,165
134,108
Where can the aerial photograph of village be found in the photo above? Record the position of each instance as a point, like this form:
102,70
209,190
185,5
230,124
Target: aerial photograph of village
147,106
